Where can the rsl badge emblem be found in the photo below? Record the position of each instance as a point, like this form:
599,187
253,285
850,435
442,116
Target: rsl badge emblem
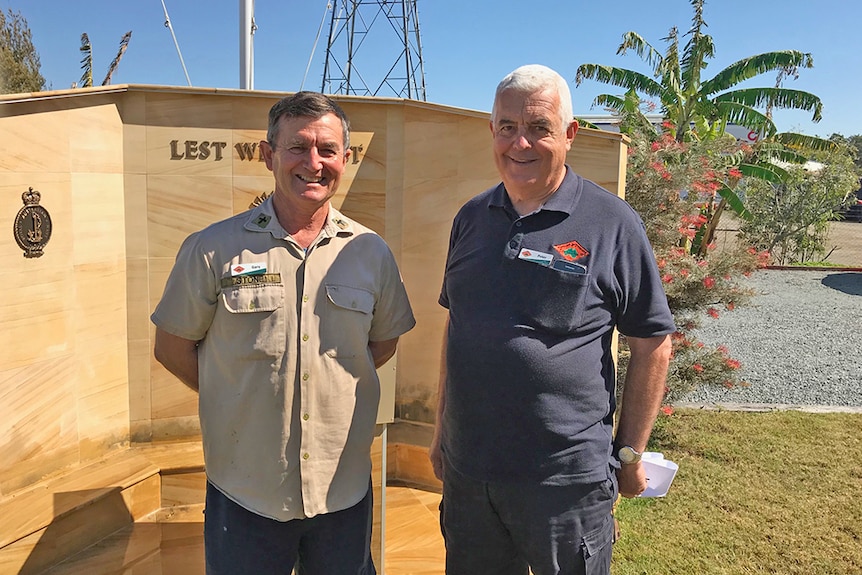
32,225
572,251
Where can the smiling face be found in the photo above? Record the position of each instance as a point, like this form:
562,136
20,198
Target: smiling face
307,160
530,142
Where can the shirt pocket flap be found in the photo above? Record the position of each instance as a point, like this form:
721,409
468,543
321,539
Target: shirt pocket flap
351,298
251,299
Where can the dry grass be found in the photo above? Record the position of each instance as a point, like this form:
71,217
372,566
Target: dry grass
777,492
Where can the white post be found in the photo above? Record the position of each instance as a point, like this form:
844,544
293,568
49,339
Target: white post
246,44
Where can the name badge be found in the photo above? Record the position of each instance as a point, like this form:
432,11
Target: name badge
535,257
248,269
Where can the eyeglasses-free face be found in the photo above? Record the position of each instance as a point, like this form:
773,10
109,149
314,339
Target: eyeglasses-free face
308,159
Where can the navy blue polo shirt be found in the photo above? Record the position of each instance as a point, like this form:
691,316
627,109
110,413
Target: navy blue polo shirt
533,302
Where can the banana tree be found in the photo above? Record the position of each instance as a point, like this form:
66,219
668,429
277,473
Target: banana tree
694,105
696,108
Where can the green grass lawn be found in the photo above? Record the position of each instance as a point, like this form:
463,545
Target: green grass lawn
777,492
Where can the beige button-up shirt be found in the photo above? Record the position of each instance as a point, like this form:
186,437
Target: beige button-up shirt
288,388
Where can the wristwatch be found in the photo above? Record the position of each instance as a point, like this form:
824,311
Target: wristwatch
628,455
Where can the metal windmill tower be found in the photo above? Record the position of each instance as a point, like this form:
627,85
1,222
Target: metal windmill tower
374,50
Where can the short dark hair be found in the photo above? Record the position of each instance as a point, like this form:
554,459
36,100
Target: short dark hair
305,105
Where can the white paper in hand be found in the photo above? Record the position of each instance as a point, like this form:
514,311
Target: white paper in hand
660,473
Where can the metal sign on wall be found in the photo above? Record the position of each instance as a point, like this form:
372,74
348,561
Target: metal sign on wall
32,225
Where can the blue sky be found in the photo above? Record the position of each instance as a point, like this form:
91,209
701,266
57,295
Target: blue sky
467,45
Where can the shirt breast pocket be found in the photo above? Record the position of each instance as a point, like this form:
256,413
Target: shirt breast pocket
253,299
555,303
346,322
255,318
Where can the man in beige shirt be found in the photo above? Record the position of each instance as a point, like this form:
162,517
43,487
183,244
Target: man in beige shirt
279,317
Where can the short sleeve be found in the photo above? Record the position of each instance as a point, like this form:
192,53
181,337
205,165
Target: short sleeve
188,303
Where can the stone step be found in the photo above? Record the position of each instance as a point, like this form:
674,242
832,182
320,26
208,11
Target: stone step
59,516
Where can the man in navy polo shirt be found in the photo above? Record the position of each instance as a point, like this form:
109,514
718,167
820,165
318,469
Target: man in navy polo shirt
540,270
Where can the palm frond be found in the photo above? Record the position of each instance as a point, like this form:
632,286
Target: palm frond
670,72
86,61
734,201
782,154
697,50
636,42
744,115
124,43
752,66
806,142
586,124
621,77
610,102
777,97
764,171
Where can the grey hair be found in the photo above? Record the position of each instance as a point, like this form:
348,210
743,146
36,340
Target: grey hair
536,78
306,105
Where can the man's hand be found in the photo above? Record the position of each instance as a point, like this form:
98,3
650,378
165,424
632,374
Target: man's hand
632,479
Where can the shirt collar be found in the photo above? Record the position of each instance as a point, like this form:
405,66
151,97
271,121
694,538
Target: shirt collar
562,200
262,219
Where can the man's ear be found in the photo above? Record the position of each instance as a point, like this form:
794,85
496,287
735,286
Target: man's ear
571,132
266,152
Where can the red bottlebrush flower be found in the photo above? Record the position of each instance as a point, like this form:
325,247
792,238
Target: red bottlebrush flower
723,350
709,282
667,278
700,345
687,232
728,384
683,272
732,363
655,147
666,175
703,264
730,306
713,313
697,367
657,166
734,173
667,409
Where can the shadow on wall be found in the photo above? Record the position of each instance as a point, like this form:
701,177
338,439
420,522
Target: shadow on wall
849,282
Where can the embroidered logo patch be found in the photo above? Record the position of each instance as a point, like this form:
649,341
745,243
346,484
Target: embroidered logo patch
572,251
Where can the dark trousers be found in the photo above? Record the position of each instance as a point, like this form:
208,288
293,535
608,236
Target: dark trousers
237,541
510,528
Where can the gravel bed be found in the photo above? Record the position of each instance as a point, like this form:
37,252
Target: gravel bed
799,340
